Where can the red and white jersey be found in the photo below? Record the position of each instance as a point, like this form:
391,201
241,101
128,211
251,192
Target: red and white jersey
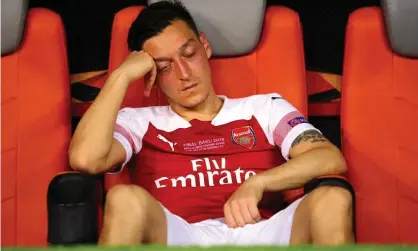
193,167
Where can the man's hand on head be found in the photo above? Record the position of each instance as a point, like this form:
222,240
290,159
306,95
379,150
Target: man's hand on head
242,207
137,65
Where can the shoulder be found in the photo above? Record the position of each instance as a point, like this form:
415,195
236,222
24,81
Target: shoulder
161,117
254,102
258,106
143,114
257,98
259,103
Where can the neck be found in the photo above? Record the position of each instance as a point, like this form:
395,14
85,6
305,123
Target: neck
205,111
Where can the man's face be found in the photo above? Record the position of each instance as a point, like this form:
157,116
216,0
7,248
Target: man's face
182,63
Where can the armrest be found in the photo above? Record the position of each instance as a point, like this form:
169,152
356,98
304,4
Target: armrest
73,202
339,181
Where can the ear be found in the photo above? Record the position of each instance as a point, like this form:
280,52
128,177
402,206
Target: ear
206,45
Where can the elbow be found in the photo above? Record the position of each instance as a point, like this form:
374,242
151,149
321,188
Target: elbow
340,167
339,164
334,162
81,163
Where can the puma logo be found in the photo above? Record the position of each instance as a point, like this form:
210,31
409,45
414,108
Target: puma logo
167,141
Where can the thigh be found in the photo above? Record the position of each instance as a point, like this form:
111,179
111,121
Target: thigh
132,216
164,227
301,227
147,210
274,231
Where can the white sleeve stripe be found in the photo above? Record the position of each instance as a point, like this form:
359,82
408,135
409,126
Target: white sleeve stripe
125,143
292,135
283,127
121,130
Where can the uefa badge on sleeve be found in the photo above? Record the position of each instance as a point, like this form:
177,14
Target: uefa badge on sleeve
296,121
243,136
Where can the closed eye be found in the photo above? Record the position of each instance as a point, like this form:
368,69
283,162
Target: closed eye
189,55
163,68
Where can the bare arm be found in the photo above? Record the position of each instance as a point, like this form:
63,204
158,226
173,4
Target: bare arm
93,148
312,156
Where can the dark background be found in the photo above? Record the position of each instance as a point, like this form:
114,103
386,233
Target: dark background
88,24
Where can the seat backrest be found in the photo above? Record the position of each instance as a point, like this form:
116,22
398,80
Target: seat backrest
380,119
36,125
256,49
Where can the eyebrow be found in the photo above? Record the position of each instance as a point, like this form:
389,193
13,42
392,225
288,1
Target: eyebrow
160,59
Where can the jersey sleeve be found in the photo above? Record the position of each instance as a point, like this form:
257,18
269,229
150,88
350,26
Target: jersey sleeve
286,123
126,132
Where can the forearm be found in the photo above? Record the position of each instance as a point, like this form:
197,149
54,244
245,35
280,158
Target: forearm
93,137
298,171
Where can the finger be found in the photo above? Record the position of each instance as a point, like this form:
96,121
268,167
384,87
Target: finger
229,219
148,87
236,213
255,213
150,79
153,75
246,214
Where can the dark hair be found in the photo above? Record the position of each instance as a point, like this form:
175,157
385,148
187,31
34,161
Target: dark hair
154,19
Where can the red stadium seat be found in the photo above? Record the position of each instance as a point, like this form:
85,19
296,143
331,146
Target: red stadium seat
380,120
36,126
275,65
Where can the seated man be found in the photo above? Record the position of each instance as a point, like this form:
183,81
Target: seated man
210,171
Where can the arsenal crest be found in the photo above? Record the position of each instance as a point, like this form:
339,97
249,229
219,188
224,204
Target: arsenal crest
243,136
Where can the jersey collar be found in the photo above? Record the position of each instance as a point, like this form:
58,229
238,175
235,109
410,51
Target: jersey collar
221,114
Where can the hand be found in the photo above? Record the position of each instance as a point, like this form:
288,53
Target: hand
139,64
241,208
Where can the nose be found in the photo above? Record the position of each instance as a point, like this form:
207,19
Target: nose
183,70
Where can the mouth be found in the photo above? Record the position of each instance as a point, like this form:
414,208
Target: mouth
189,87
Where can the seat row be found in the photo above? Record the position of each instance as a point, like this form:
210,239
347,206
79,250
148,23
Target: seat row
258,52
